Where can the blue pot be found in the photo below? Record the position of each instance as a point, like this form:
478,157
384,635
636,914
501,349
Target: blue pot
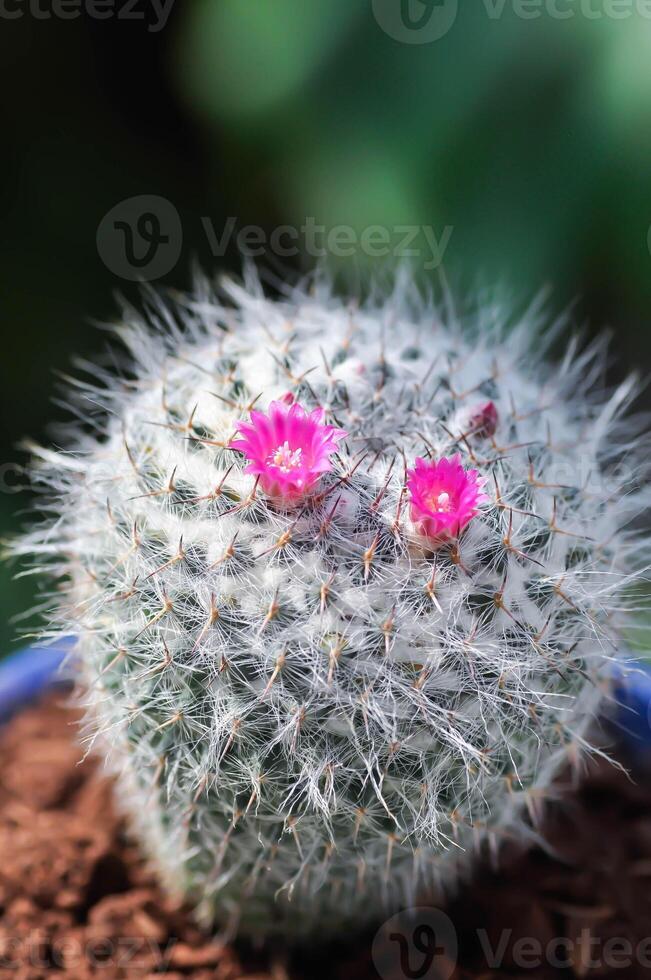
633,715
31,671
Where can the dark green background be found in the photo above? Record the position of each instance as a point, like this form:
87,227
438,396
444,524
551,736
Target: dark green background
530,137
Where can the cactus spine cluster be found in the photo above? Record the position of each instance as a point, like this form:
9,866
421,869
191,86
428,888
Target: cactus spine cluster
311,717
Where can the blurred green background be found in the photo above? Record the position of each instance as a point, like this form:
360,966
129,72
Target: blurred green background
527,137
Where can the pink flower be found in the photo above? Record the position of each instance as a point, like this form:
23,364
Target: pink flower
289,450
444,497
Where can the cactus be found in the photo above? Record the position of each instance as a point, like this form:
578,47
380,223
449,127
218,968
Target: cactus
319,712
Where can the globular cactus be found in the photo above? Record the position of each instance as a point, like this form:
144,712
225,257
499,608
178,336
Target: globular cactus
320,694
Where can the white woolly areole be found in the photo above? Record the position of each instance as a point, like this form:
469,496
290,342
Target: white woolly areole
311,718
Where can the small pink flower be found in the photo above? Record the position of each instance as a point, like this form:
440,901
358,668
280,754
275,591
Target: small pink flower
289,450
444,497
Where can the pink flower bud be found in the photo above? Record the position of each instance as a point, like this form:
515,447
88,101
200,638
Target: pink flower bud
480,420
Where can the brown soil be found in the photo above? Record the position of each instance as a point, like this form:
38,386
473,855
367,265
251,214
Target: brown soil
77,902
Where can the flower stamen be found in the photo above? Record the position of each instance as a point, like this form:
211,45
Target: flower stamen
286,458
